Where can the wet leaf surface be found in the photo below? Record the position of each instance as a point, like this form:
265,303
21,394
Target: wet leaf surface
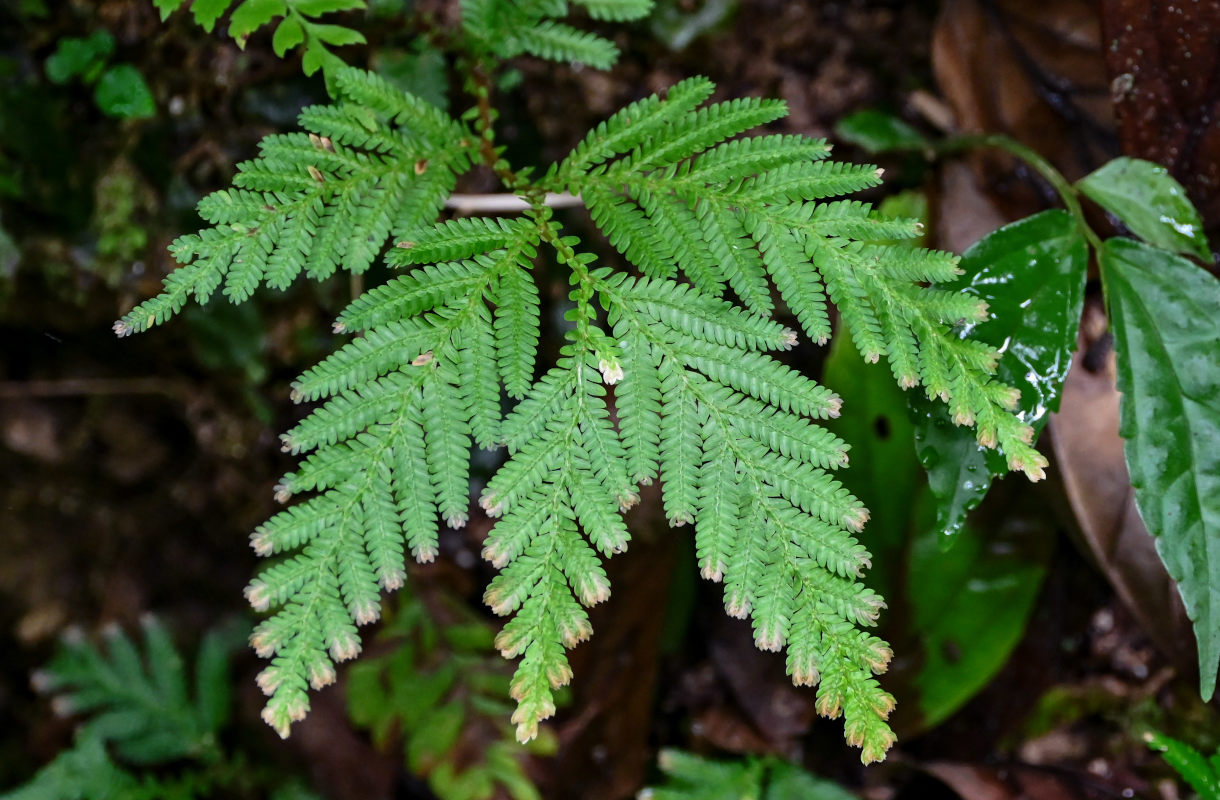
1151,203
1163,311
1031,273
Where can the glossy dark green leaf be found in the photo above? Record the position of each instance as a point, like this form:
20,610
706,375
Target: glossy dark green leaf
1031,273
1163,310
877,132
122,92
1151,203
969,606
883,471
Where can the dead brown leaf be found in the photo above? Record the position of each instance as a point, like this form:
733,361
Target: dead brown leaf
1032,71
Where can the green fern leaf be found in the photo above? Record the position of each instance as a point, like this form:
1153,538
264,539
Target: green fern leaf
318,201
558,42
669,375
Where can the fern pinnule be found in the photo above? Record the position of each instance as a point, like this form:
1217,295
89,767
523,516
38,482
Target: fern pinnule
809,180
731,161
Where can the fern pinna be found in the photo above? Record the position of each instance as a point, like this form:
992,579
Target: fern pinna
665,374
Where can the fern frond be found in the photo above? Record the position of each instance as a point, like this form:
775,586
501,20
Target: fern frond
768,520
508,28
753,203
680,384
317,202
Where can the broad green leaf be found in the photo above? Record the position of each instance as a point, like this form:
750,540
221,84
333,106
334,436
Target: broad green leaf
433,736
252,15
420,69
883,471
969,606
1031,273
1163,310
167,7
288,34
336,35
79,56
877,132
318,57
208,11
122,92
1151,203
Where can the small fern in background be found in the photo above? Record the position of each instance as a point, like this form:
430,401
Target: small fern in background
692,777
441,690
141,709
665,374
299,25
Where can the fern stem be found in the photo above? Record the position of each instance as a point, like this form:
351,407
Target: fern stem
503,203
478,83
1067,193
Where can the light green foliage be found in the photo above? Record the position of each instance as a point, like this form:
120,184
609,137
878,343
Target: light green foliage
299,25
508,28
379,162
692,777
680,353
139,706
443,692
80,57
1200,772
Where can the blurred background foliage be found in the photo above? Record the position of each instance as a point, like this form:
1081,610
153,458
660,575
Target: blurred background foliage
1031,656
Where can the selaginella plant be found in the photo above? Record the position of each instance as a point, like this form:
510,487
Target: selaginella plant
666,372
